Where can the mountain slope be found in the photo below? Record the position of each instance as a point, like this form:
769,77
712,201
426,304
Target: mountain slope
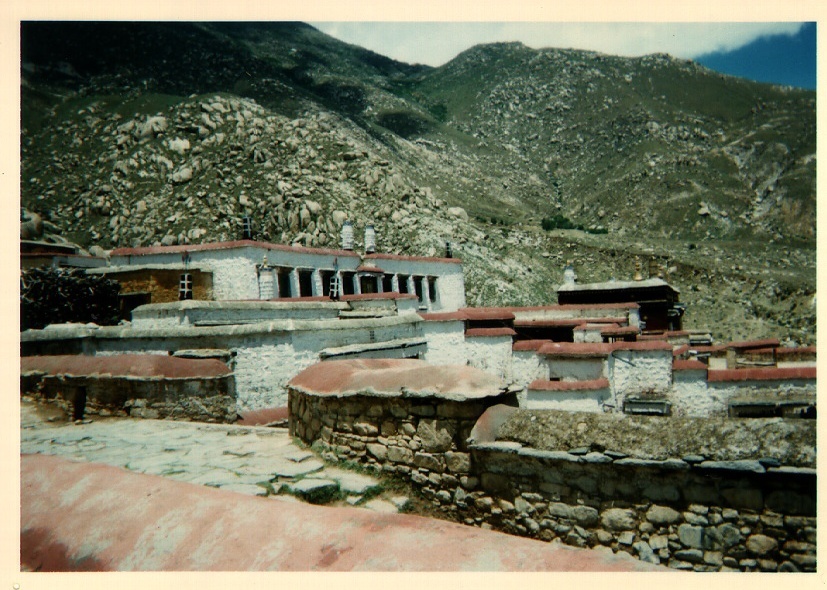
142,133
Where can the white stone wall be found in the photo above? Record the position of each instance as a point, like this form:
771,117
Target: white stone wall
718,362
491,354
527,366
235,277
577,369
267,355
446,342
569,401
798,387
404,306
450,281
187,313
262,370
691,397
637,371
591,336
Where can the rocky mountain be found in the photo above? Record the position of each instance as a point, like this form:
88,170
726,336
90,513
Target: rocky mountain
163,133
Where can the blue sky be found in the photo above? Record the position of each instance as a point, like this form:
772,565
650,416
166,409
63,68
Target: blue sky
776,52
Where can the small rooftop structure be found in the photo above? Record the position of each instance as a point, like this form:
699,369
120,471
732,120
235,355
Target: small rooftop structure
660,308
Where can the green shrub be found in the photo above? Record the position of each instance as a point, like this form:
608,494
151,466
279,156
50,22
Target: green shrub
61,295
558,222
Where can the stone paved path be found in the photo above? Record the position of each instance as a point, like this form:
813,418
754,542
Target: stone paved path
247,459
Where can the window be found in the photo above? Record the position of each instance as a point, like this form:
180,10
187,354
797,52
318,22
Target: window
403,283
418,287
387,283
347,283
305,283
185,287
284,282
368,283
432,289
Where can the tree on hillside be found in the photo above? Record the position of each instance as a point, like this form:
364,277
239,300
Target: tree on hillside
60,295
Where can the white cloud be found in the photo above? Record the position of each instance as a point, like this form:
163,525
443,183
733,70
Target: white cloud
436,43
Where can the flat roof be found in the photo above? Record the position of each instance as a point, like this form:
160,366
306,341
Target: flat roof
585,385
125,365
181,248
489,332
385,256
689,365
615,285
768,374
396,378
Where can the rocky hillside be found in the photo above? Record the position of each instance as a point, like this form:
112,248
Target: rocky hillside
147,133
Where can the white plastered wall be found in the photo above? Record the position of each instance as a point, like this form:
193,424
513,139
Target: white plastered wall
491,354
446,342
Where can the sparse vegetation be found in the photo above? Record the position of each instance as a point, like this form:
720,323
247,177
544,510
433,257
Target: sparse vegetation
643,155
59,295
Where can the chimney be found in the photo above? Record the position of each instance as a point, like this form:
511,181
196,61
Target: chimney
638,274
449,251
370,239
347,236
569,278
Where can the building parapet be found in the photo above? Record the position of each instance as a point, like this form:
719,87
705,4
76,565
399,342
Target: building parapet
768,374
489,332
229,245
689,365
585,385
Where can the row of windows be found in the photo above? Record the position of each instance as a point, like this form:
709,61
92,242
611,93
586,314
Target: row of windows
282,286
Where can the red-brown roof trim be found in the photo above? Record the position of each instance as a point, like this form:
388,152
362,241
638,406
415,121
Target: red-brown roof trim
689,365
181,248
382,256
587,385
368,268
486,313
529,345
751,344
125,365
489,332
682,349
786,350
576,349
770,374
568,307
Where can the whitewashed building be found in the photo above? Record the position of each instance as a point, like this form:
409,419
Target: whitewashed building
250,270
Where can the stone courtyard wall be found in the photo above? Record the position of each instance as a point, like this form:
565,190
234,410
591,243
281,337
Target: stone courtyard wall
423,439
707,516
204,399
745,501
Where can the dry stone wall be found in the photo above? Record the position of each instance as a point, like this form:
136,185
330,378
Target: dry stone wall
207,399
689,512
686,513
423,439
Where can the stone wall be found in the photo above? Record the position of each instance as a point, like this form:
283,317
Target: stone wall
204,399
446,342
491,354
703,495
704,516
712,510
423,439
267,354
